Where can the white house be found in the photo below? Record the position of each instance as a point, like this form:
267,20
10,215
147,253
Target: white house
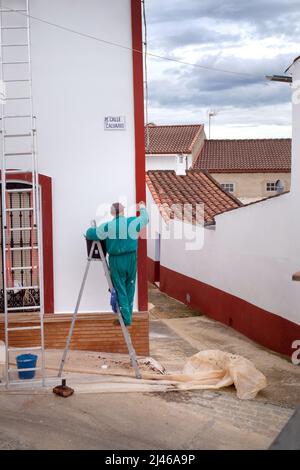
86,69
242,274
173,147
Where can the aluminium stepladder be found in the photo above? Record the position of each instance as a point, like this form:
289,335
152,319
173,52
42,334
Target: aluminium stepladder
96,248
22,266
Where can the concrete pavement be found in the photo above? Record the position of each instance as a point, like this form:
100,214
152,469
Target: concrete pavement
173,420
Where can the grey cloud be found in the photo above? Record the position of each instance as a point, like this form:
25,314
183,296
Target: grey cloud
264,18
198,35
214,26
254,10
192,87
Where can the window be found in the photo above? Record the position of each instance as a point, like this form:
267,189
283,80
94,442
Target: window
271,186
180,158
229,187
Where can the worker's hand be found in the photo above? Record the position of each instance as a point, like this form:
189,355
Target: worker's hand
141,204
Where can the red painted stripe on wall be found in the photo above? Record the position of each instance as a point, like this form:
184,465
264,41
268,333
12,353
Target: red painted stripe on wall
140,175
153,268
266,328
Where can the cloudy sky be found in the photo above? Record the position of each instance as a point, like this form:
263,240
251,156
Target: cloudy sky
252,38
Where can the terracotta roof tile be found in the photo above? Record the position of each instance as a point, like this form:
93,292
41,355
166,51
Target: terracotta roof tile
171,139
245,155
196,187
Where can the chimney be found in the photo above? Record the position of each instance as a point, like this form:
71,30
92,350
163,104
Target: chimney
181,164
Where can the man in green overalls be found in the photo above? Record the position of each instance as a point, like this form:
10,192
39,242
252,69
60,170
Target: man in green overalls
121,235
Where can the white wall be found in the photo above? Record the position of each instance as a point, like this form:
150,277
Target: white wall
252,254
160,162
254,250
164,162
295,186
76,82
154,227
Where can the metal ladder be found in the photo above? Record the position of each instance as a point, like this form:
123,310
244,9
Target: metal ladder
18,156
96,252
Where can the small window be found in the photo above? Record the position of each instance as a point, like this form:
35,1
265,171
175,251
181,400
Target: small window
271,186
180,158
229,187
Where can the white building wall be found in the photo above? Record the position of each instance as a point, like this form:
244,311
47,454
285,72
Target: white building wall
164,162
295,186
252,254
160,162
154,227
76,83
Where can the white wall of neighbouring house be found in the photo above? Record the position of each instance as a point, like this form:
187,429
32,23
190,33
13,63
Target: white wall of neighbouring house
253,250
154,228
251,254
77,81
295,186
165,162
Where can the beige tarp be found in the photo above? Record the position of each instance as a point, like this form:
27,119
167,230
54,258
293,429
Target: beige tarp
220,369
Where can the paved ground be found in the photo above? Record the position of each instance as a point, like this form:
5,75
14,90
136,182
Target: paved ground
198,332
183,420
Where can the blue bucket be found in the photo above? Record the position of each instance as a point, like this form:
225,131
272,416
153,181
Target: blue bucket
26,361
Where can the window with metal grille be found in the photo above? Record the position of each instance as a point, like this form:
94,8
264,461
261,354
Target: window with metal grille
229,187
22,264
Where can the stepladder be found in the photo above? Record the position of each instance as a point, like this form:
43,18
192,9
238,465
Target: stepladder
96,253
22,302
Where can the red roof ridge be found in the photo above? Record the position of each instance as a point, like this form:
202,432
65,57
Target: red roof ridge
195,138
246,140
174,125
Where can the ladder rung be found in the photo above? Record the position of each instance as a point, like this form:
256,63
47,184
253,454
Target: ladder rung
26,348
17,135
23,328
25,268
24,370
22,287
19,62
26,382
17,172
17,309
18,98
14,116
17,80
18,248
17,154
19,229
11,11
19,209
14,45
20,190
14,27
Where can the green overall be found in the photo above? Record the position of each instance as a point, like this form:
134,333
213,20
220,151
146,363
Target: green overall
121,235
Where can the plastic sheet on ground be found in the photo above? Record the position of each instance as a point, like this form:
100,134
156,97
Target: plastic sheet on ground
218,369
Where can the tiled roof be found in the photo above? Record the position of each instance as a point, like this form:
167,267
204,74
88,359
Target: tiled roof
249,155
194,188
171,139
